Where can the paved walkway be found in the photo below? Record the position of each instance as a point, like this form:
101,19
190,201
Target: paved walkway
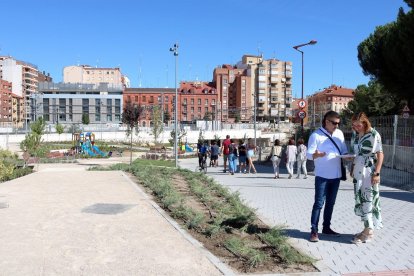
64,220
289,202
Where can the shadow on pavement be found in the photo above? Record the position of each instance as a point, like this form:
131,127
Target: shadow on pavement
107,208
399,195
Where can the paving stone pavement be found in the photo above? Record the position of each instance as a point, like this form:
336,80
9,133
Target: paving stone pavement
64,220
289,202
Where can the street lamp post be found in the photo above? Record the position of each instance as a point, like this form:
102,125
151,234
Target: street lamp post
174,49
312,42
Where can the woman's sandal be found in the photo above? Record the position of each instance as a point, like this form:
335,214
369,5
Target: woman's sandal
362,238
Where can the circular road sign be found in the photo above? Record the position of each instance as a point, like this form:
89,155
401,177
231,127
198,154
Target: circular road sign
302,104
302,114
406,115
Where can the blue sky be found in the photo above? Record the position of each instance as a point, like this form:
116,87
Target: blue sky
136,36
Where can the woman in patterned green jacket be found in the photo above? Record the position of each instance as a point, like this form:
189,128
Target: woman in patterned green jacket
367,146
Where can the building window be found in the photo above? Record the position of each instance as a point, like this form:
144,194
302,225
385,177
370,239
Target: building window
97,110
144,98
199,101
206,102
192,101
199,109
85,106
117,109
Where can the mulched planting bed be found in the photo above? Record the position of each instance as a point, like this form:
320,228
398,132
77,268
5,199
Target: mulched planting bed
221,222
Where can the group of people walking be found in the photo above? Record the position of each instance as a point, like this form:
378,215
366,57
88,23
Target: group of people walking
239,155
293,154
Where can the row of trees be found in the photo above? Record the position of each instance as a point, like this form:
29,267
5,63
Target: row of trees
387,57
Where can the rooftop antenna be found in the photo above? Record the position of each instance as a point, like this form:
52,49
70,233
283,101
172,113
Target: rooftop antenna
78,60
97,62
139,74
259,52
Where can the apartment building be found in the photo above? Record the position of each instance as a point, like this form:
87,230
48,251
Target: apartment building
147,98
271,85
334,98
11,106
223,79
24,79
66,103
197,101
94,75
255,87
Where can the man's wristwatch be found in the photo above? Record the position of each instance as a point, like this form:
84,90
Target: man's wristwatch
376,174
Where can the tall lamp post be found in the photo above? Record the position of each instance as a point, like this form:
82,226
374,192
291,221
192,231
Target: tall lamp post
174,49
312,42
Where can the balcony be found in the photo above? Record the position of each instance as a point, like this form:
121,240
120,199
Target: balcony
274,80
184,103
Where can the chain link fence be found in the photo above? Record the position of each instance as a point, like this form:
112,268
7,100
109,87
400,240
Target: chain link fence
398,146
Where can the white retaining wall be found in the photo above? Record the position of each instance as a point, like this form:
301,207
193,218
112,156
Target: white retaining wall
145,137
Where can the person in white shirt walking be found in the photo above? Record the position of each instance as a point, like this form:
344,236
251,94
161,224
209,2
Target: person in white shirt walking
302,158
291,152
324,147
276,156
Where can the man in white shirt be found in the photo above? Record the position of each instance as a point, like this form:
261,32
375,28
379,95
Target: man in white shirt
325,154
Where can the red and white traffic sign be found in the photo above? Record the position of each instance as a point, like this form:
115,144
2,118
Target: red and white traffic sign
302,114
302,103
406,109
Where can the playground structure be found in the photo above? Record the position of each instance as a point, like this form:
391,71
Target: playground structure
84,143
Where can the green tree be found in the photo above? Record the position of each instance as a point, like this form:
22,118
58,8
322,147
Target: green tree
180,136
32,140
59,128
387,55
85,119
157,124
237,116
372,99
167,117
130,116
207,116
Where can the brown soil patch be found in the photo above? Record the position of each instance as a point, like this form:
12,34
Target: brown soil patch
215,244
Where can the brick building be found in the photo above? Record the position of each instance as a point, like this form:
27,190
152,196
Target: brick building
334,98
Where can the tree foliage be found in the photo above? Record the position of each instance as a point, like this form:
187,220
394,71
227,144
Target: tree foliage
374,100
59,128
85,119
157,124
167,116
387,55
130,116
32,140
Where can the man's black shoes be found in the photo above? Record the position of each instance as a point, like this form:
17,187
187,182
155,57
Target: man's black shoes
329,231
